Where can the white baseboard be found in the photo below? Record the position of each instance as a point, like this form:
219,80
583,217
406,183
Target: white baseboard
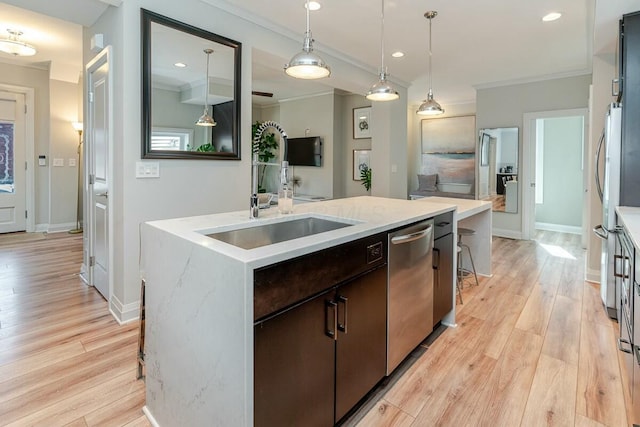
55,228
124,313
571,229
152,420
42,228
592,275
509,234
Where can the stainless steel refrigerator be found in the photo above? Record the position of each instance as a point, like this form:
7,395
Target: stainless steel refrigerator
608,186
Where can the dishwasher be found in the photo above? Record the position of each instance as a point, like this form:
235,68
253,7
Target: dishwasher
410,290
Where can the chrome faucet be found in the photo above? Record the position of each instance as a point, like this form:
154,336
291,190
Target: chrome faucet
254,206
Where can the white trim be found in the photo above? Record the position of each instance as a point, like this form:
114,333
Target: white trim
41,228
62,227
150,417
509,234
29,136
560,228
124,313
313,95
592,275
512,82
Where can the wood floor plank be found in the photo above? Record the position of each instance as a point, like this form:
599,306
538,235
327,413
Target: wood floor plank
385,414
537,311
551,401
139,422
40,360
582,421
121,411
592,310
503,398
562,339
599,394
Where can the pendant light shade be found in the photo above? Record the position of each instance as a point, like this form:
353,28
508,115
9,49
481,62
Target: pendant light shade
14,46
430,106
382,90
307,64
205,119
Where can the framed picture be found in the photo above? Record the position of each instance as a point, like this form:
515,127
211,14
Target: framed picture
362,122
361,160
485,140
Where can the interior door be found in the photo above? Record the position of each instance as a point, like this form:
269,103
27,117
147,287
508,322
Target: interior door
13,189
98,140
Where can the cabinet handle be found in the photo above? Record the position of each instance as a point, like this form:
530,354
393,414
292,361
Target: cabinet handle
411,237
331,320
616,258
621,342
436,259
342,326
615,92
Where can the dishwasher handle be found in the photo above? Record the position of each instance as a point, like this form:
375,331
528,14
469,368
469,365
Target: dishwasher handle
411,237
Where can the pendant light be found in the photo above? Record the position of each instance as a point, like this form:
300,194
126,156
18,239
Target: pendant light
306,64
382,90
429,106
205,119
14,46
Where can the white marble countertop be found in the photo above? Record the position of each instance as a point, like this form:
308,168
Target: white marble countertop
630,218
466,207
369,215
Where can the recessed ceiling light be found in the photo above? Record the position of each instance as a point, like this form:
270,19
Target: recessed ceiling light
313,5
180,64
551,16
397,54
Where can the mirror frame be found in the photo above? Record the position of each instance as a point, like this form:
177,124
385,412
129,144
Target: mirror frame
147,18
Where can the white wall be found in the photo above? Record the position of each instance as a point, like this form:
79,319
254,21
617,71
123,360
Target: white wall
169,112
562,169
185,187
352,188
504,107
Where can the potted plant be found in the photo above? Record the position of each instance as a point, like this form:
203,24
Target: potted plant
266,150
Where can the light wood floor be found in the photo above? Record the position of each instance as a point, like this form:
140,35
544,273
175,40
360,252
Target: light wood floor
533,347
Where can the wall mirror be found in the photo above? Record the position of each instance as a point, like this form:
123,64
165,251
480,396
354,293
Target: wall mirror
498,168
175,83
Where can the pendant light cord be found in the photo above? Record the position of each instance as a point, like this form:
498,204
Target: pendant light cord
308,32
382,39
430,70
206,94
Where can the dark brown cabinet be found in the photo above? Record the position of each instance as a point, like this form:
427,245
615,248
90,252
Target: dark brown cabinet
294,364
316,360
442,266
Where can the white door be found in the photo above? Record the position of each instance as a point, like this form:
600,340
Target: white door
13,188
98,137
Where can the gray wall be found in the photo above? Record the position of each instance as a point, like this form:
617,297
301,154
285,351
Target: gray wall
562,169
504,107
352,188
169,112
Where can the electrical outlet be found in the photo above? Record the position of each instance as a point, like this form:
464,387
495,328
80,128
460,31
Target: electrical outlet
72,162
58,162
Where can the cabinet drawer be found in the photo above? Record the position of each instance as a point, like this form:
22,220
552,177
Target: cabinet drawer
282,285
443,224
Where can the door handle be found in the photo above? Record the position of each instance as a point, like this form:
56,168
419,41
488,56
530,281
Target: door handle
600,232
616,258
331,320
406,238
342,326
436,261
105,194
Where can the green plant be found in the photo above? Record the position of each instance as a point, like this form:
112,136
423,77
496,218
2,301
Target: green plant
365,174
265,149
206,148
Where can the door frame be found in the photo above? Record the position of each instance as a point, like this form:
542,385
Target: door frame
104,57
29,137
529,164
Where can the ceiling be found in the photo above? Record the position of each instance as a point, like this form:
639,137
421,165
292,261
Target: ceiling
475,44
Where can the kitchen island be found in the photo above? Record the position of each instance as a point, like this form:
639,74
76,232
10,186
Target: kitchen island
200,306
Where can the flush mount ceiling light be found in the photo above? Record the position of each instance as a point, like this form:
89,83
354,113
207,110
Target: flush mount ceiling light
382,90
14,46
205,119
397,54
180,65
313,5
429,106
551,16
306,64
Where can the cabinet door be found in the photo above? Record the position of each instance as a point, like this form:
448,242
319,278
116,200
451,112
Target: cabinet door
443,277
361,345
294,367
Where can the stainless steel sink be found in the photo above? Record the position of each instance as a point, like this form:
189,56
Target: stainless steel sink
267,234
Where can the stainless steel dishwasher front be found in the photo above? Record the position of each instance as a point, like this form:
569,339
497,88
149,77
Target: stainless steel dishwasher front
410,293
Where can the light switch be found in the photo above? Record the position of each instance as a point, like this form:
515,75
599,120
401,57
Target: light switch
147,170
394,168
58,162
42,160
72,162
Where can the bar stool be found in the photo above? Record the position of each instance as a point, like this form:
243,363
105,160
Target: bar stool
461,270
459,277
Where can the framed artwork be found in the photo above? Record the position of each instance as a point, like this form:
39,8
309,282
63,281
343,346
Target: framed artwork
361,160
485,140
362,122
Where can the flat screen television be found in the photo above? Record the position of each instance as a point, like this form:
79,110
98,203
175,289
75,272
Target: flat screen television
305,151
